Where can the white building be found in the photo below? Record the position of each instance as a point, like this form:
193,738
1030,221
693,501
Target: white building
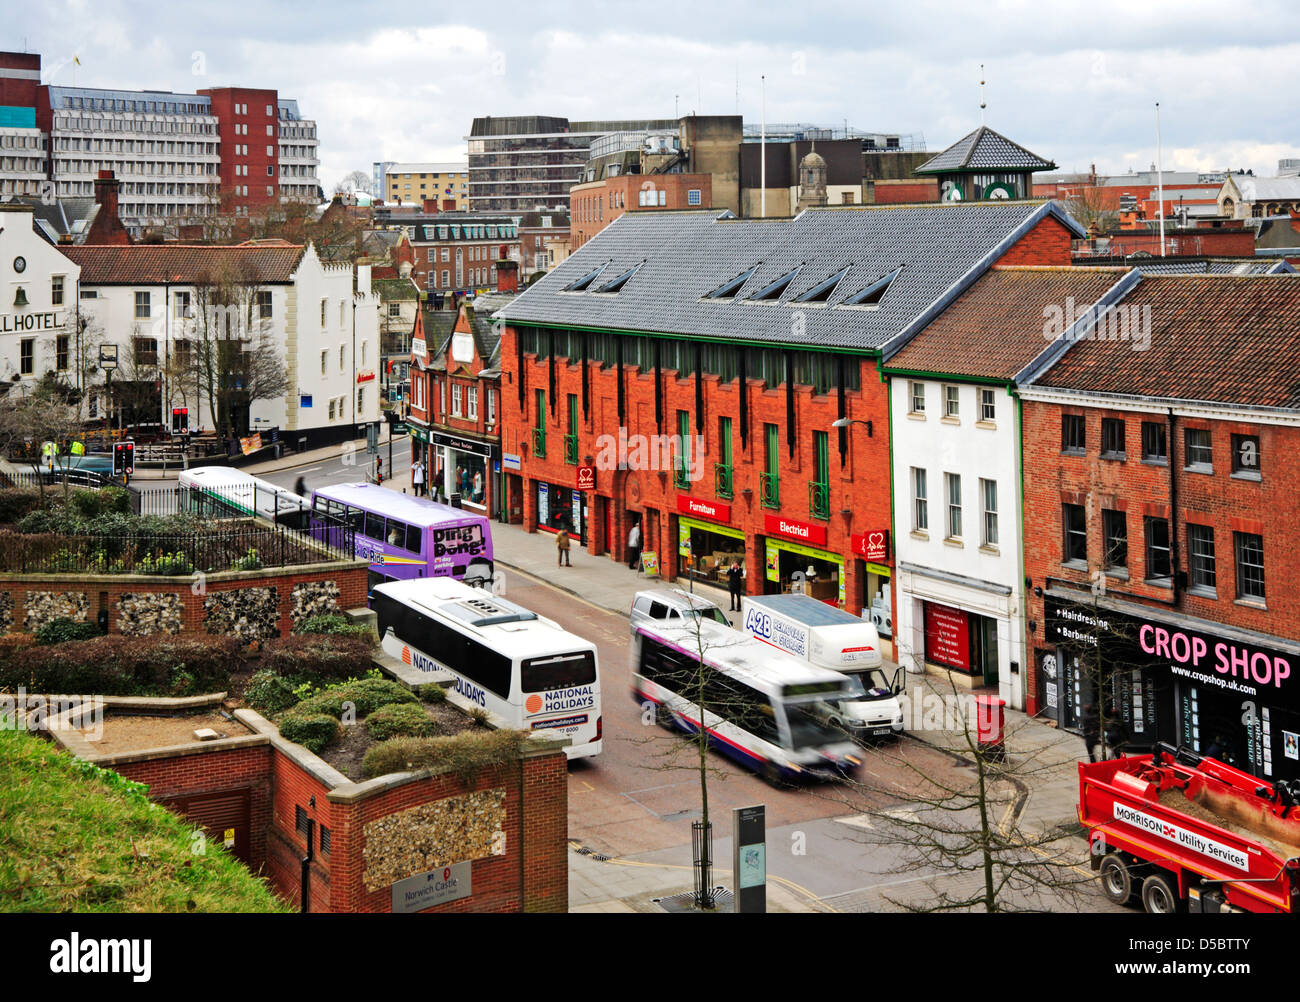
957,469
157,304
38,311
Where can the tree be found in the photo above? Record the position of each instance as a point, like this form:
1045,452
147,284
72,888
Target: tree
47,412
1088,205
357,180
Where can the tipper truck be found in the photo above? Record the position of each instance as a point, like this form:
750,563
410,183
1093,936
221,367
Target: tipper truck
1178,831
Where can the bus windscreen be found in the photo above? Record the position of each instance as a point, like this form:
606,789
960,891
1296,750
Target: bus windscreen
562,671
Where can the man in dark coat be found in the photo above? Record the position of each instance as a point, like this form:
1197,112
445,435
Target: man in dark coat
1090,723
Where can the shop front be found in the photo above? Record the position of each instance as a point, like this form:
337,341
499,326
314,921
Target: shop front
793,565
1217,690
706,545
961,641
463,467
872,550
561,507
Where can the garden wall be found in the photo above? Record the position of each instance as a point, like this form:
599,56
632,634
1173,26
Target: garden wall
253,605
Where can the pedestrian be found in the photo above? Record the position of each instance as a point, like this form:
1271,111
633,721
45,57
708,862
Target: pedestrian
736,583
417,478
300,487
379,469
634,545
1116,734
562,548
1090,723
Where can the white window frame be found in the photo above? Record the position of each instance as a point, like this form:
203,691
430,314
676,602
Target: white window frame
989,523
952,498
920,500
952,401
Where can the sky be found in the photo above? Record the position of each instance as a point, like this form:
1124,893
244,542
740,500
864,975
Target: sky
1075,82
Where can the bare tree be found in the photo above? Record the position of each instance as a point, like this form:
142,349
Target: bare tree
47,412
357,180
1088,205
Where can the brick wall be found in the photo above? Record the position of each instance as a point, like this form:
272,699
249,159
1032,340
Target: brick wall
904,192
1219,500
1048,243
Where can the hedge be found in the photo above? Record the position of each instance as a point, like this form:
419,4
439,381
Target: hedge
464,754
317,655
314,731
366,696
125,666
400,719
269,692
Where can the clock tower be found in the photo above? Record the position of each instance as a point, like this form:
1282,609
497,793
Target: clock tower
984,165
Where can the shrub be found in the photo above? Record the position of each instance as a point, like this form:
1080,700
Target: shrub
43,520
314,731
62,630
366,696
431,692
335,625
250,561
15,502
400,719
88,504
269,693
480,716
183,683
463,754
329,657
124,666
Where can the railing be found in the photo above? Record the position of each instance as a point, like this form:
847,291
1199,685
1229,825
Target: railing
819,499
681,478
770,490
722,482
571,449
539,443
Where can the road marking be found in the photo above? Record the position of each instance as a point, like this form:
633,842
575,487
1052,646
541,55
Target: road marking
857,821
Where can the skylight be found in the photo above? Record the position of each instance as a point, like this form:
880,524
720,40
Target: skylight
617,284
773,291
873,293
581,284
729,289
821,293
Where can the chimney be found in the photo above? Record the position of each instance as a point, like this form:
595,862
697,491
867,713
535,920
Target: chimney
106,228
106,186
507,276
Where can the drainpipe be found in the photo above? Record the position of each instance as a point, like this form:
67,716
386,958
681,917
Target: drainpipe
1174,563
304,880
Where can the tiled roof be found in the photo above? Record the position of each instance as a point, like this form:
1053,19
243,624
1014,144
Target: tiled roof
984,150
1226,339
686,255
156,264
999,325
395,289
1219,266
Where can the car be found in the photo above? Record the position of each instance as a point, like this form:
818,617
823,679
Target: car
658,605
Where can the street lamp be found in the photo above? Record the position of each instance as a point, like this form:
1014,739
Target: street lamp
845,422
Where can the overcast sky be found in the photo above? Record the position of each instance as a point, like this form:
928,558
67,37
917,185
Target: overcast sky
1075,82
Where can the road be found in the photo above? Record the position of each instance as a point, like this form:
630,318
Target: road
844,845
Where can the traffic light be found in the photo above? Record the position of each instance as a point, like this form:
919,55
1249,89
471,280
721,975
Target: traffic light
123,458
180,420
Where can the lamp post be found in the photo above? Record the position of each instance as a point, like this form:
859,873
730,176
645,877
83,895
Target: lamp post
845,422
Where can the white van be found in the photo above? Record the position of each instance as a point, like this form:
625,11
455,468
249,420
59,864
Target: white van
832,638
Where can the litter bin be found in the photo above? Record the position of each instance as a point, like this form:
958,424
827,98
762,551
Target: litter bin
990,715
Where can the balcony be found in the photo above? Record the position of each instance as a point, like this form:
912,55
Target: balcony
681,478
571,449
819,499
722,483
539,443
770,487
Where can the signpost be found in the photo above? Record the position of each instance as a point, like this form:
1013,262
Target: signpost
749,858
108,362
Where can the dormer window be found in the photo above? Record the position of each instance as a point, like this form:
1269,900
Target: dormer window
617,284
773,291
729,290
873,293
583,283
822,293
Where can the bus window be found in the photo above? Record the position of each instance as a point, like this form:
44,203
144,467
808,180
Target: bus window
563,671
414,537
355,518
374,526
396,533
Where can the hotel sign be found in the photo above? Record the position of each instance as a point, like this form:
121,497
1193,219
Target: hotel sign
16,323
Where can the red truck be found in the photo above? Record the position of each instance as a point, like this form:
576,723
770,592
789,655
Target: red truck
1182,832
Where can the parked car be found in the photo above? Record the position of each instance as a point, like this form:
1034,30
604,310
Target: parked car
658,605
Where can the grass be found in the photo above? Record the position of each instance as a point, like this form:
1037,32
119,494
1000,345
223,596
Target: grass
78,838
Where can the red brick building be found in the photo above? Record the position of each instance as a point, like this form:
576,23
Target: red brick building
456,253
1161,483
248,130
596,204
747,341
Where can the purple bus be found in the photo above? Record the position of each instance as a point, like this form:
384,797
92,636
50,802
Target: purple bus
407,537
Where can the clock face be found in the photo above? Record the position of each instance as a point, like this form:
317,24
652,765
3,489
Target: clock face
999,191
20,264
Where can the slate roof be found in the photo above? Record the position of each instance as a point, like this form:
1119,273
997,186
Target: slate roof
395,290
1225,339
984,150
1265,189
996,328
1220,266
686,255
156,264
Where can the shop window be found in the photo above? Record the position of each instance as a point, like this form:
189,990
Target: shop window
1114,527
1200,555
1250,565
1075,534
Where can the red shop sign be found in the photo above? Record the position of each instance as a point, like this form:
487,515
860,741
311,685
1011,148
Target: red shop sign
947,636
688,505
586,478
871,545
791,528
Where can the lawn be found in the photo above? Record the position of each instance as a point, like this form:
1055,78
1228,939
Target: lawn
78,838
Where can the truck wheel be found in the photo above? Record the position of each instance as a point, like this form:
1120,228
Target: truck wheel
1159,896
1116,881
